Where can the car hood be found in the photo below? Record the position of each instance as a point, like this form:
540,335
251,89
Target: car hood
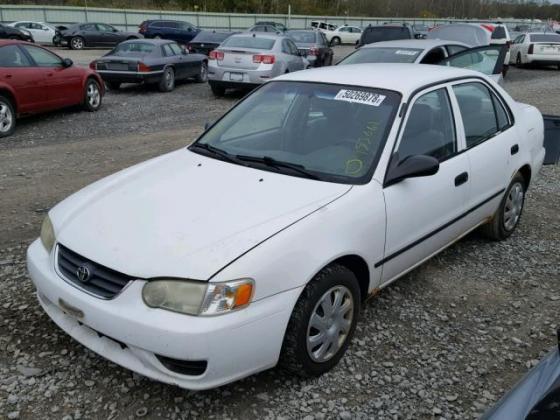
183,214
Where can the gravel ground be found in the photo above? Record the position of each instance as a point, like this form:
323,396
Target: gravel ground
445,341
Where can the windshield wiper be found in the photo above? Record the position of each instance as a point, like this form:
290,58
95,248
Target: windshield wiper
269,161
216,151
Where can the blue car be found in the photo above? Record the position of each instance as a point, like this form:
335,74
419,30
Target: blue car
176,30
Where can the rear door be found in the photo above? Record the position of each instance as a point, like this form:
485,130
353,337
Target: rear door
488,60
189,63
110,36
27,81
92,35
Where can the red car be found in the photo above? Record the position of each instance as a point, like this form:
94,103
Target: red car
34,80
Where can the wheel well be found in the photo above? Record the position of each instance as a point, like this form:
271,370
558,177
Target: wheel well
359,267
526,172
9,95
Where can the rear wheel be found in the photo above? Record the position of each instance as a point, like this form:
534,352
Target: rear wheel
114,85
92,96
218,91
335,41
507,216
202,75
167,82
7,117
77,43
322,322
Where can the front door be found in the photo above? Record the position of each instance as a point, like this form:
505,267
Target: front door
424,213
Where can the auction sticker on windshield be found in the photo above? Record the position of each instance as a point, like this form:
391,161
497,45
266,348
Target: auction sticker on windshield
360,97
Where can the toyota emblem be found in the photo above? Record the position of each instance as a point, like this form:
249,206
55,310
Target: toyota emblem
83,273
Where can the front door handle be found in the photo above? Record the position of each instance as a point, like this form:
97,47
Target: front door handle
514,149
461,179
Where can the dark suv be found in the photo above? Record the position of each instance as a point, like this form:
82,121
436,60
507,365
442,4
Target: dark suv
176,30
387,32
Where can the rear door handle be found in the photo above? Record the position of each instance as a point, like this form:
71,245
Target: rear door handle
461,179
514,149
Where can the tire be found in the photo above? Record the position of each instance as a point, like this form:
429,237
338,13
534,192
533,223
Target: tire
202,76
77,43
518,61
505,70
14,37
7,117
501,226
114,85
299,354
167,82
92,96
218,91
335,41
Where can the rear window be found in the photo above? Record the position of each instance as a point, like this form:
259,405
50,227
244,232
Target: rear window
499,33
212,37
303,37
133,49
249,42
545,38
384,33
382,55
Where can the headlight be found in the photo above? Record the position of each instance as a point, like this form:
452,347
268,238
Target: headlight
47,234
198,298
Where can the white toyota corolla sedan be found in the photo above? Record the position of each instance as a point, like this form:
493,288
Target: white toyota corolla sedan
257,244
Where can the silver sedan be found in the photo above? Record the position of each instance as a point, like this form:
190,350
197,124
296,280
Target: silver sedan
247,60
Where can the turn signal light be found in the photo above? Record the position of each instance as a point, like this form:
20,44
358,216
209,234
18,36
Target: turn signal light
142,68
264,58
216,55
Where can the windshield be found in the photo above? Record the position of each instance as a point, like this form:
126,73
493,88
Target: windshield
302,37
545,38
333,132
133,49
249,42
384,33
382,55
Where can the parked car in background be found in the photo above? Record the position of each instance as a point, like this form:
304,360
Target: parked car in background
379,33
536,396
501,36
42,33
8,32
421,30
319,24
536,48
343,35
247,60
157,61
34,80
206,41
279,26
264,28
84,35
211,263
313,45
176,30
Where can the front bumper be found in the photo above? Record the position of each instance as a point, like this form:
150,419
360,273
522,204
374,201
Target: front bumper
130,76
127,332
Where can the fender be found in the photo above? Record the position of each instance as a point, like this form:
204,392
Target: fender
7,88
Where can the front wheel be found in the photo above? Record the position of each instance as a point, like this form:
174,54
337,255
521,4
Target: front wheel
335,41
202,76
7,117
507,216
167,82
322,322
77,43
92,97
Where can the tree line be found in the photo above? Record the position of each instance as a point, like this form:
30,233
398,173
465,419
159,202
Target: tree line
476,9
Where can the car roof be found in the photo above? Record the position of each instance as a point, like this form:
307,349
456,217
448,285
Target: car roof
414,43
149,41
270,35
403,78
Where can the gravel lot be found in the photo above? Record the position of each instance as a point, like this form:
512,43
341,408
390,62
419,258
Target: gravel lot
446,341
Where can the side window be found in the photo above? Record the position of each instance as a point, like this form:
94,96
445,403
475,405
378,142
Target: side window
356,30
89,27
176,49
501,115
12,56
42,57
478,112
285,47
345,29
430,129
293,48
167,52
22,25
104,28
521,39
454,49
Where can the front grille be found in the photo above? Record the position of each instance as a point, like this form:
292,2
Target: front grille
94,278
184,367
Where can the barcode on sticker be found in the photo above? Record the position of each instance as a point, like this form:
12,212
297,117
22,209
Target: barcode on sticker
360,97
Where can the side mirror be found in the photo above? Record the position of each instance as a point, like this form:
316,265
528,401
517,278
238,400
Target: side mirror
67,63
411,167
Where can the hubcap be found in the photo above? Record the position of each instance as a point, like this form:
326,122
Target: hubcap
203,72
513,206
6,118
77,43
93,95
169,78
330,324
